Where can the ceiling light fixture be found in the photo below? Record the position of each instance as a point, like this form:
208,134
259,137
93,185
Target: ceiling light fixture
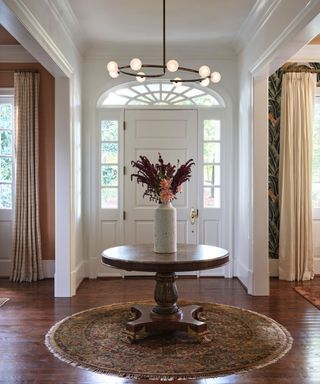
204,74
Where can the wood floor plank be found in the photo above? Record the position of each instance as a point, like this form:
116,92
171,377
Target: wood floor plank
32,310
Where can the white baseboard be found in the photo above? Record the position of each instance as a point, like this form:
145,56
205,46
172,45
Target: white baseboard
217,272
109,272
244,275
48,268
77,275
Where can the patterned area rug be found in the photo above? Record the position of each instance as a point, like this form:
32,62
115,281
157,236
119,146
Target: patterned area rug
239,340
310,293
3,300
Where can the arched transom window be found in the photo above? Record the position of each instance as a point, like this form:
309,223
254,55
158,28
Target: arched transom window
160,93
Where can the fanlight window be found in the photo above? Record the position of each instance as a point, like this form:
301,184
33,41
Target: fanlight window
160,94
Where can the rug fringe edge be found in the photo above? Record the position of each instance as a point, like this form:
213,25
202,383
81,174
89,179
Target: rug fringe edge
134,376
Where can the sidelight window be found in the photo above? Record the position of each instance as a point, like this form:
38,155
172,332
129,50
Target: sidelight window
211,163
6,151
109,176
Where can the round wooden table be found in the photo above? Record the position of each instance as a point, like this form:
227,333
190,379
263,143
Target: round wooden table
166,315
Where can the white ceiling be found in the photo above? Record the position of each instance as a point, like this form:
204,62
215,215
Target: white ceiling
207,23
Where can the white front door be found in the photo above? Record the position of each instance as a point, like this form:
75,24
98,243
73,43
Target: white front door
173,134
125,217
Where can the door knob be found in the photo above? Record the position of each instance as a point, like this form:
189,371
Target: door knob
193,215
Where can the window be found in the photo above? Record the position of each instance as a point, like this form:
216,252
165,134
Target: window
160,93
109,149
211,164
316,155
6,149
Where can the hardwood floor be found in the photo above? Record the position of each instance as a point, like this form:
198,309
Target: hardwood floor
32,309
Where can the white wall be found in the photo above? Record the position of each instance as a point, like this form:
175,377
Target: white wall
287,26
96,81
290,24
35,24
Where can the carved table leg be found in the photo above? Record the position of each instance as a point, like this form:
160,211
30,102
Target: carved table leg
166,315
166,296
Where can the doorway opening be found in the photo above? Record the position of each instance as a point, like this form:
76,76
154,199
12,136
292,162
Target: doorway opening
180,123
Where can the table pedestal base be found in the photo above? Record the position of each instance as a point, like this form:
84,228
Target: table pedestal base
144,320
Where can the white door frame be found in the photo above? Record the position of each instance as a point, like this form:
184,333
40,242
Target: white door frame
21,24
228,228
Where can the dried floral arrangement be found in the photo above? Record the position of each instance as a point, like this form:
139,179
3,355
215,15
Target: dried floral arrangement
163,181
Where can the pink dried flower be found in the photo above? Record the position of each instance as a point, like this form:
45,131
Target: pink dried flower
166,196
165,184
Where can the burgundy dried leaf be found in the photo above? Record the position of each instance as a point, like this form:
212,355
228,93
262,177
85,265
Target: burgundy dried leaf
150,175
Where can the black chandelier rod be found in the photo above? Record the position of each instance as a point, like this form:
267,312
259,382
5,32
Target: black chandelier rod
164,36
126,69
121,70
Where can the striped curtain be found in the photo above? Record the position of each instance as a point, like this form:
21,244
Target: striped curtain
27,260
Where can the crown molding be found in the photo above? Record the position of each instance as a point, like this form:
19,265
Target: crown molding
39,34
296,41
254,22
15,54
62,11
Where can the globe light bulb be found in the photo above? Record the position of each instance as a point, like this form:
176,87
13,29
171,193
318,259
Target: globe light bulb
172,65
140,77
215,77
204,71
205,82
177,82
112,66
114,75
135,64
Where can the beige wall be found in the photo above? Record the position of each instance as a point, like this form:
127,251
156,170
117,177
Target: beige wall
46,143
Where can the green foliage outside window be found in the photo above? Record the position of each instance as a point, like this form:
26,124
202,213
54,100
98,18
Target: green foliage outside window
109,130
109,157
6,149
6,116
5,143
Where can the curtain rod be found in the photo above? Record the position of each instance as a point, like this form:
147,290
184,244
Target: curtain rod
298,70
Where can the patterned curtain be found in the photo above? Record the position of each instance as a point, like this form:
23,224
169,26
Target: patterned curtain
27,261
297,116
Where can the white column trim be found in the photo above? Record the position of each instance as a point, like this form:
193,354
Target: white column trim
63,164
260,231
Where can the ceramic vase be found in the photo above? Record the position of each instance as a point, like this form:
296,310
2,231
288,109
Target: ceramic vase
165,229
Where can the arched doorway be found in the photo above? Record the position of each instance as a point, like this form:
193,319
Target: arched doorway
181,123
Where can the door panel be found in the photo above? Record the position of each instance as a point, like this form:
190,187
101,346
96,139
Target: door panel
173,133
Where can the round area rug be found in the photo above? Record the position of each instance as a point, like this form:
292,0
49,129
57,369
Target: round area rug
238,341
